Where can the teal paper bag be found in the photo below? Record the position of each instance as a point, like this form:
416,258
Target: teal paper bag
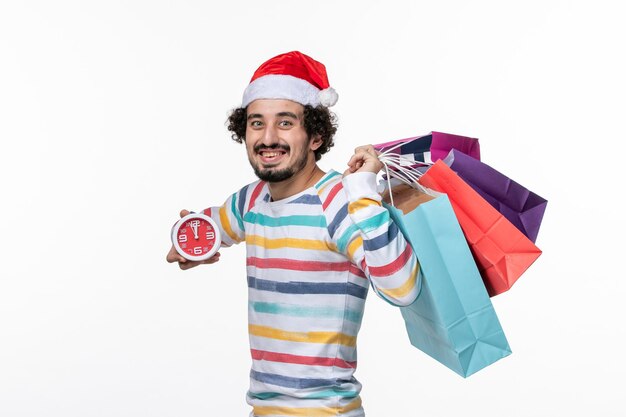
453,319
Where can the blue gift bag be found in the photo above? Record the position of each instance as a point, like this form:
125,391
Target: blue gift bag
453,319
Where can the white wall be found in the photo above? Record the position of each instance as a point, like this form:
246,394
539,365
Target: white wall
112,119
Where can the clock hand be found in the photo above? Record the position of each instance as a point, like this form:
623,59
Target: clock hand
195,230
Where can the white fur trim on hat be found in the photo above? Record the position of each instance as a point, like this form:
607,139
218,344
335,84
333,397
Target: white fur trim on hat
278,86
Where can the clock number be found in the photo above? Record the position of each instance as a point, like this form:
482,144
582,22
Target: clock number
197,251
210,235
182,238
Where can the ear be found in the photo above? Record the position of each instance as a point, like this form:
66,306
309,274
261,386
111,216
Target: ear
315,142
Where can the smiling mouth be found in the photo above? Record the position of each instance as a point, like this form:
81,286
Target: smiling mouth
271,156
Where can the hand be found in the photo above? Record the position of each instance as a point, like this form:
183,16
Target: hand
365,159
184,264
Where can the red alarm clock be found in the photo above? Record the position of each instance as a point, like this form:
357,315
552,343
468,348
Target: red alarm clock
196,237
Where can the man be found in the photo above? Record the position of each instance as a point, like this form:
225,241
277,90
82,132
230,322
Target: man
314,241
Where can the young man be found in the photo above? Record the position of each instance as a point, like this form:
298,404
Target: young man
315,241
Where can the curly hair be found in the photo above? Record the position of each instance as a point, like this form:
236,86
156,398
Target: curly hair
317,121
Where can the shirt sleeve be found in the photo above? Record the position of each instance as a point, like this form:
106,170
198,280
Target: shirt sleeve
370,238
229,218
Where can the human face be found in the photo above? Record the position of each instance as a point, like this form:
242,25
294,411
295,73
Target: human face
277,144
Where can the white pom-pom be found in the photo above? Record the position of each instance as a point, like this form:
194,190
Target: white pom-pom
328,97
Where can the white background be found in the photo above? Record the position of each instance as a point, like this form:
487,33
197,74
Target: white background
112,120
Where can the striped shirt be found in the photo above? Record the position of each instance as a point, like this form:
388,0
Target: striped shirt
310,261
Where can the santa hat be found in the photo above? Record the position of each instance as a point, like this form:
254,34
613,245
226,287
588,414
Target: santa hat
292,76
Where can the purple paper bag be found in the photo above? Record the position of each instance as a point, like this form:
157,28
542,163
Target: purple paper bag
433,146
519,205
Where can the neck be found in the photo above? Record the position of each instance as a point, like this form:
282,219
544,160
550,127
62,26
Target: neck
299,182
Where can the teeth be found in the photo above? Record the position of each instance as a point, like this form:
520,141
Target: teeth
270,154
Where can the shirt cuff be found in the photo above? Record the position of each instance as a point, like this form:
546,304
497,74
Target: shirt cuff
361,185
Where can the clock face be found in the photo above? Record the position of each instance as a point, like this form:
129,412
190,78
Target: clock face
196,237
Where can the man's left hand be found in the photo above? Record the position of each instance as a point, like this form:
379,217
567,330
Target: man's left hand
365,159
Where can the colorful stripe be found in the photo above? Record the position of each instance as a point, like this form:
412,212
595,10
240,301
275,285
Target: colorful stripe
326,338
226,225
296,265
328,177
261,355
292,310
264,220
306,411
345,238
263,395
233,208
331,195
375,222
291,382
361,204
341,215
355,245
404,289
383,240
392,267
329,393
255,194
242,200
306,199
296,287
288,242
354,270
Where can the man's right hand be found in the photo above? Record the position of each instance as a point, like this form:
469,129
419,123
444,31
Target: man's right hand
184,264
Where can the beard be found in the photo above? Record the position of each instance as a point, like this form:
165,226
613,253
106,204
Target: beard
270,174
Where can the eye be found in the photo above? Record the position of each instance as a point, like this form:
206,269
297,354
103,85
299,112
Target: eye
285,123
256,123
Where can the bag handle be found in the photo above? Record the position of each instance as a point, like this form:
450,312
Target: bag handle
402,170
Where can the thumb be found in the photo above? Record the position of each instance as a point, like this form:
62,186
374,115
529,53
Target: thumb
184,212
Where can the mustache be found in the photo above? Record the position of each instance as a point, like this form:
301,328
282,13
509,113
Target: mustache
275,146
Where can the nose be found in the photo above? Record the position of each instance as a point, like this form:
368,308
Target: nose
270,135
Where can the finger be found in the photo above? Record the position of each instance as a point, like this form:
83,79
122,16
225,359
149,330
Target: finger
365,161
371,151
174,256
213,259
188,264
184,212
363,148
366,148
185,264
358,156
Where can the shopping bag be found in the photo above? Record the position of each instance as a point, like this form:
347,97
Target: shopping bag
518,204
453,319
501,251
432,147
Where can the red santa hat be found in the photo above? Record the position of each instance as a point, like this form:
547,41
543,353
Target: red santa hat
292,76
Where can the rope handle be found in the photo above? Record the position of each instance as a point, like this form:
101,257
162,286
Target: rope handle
402,170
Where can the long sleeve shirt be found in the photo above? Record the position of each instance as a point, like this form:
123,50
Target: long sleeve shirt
310,260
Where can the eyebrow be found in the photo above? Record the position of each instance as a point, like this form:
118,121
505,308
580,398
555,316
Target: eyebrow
287,114
281,114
